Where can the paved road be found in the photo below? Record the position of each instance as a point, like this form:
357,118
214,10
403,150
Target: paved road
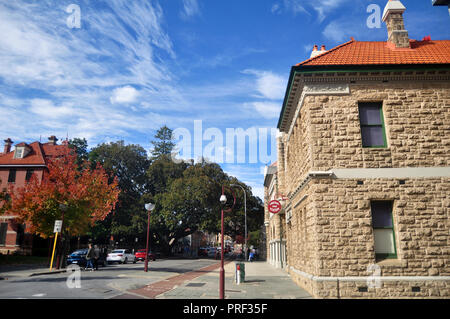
108,282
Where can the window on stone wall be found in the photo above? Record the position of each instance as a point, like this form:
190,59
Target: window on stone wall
383,229
372,125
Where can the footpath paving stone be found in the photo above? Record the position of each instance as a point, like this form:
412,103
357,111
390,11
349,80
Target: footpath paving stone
160,287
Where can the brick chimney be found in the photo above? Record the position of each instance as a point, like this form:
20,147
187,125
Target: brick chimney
52,140
316,51
8,144
393,17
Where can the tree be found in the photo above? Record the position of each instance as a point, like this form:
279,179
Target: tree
86,194
187,200
127,163
163,145
79,145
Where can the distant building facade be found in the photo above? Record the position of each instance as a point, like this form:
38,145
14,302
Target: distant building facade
17,167
364,160
275,223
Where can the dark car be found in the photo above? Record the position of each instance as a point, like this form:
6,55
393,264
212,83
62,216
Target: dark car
140,255
202,251
78,257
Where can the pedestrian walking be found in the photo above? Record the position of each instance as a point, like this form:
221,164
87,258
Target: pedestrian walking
251,256
89,258
96,256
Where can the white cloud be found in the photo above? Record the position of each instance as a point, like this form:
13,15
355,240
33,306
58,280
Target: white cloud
47,109
190,9
268,84
336,31
269,88
126,94
79,72
322,7
268,110
292,6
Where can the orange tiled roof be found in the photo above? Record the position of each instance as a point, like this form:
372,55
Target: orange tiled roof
380,53
39,152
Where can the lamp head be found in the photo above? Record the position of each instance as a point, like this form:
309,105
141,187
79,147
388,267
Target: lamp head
223,199
149,206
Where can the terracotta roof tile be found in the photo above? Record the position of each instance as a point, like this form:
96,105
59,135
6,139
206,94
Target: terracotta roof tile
379,53
39,152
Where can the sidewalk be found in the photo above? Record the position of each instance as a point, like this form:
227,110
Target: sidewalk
11,271
262,281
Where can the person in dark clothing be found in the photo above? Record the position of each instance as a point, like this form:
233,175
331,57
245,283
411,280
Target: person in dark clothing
89,258
96,256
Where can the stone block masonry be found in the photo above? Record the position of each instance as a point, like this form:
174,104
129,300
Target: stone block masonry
330,236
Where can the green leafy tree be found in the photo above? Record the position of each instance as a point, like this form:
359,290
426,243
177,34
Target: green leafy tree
129,164
163,143
80,146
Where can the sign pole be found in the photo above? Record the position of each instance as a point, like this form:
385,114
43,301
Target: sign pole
56,230
53,253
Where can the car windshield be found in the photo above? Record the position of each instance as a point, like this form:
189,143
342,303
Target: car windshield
80,252
117,251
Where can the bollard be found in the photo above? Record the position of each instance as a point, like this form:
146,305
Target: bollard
238,275
240,272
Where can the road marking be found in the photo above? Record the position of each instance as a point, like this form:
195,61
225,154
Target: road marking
39,295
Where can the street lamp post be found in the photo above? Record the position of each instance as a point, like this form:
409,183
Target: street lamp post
60,259
245,214
149,207
223,201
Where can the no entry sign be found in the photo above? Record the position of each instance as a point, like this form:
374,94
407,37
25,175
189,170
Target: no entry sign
274,206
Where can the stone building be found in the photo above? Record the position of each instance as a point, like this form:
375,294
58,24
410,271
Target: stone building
16,168
364,160
275,223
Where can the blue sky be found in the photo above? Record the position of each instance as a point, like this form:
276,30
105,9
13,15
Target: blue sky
134,66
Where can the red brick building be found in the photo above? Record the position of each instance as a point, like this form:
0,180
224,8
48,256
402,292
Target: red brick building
17,167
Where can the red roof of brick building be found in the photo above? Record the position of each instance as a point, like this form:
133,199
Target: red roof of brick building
37,156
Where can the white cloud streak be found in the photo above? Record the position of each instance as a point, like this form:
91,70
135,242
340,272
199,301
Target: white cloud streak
78,74
191,8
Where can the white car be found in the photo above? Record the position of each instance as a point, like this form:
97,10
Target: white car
120,256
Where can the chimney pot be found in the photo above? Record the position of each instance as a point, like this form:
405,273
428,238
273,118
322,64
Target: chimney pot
315,47
322,48
8,143
52,140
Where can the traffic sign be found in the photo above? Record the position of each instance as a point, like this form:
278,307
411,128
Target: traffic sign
274,206
58,225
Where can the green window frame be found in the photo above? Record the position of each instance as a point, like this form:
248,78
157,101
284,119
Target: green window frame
383,229
366,124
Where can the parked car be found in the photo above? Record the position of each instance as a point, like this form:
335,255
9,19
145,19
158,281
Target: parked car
78,257
212,251
203,251
121,256
140,255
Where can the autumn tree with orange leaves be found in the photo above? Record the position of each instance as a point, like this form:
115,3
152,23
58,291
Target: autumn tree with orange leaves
84,192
